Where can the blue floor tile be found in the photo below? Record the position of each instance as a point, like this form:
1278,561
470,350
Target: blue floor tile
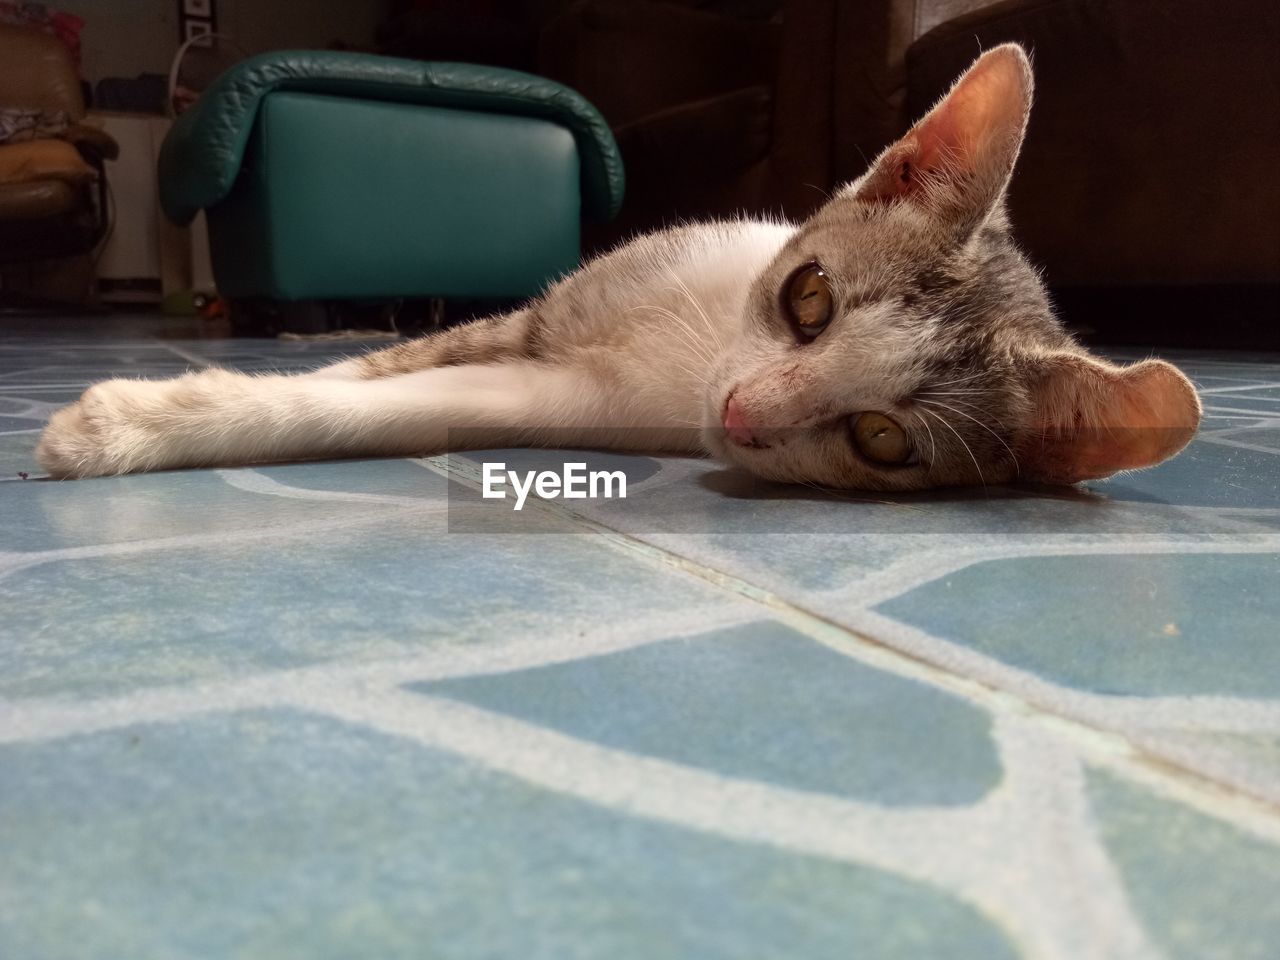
1130,625
1206,890
802,717
281,836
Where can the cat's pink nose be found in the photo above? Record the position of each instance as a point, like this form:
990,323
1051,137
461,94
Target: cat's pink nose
736,425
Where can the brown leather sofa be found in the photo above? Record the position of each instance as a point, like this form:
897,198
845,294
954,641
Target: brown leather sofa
52,184
1147,188
710,107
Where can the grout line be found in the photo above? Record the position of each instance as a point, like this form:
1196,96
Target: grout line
1232,442
1110,743
10,385
1241,388
13,562
186,355
1212,408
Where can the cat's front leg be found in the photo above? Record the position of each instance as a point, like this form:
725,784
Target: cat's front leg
219,418
124,426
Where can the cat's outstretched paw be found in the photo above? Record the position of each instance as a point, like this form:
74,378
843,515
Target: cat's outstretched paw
114,428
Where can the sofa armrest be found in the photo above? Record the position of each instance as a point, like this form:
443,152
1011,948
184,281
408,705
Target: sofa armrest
88,139
927,14
202,154
713,136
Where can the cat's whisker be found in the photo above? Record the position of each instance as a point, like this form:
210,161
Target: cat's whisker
688,335
999,439
954,398
946,383
963,443
975,408
716,330
684,289
826,491
692,370
659,311
696,345
689,369
713,329
694,373
962,392
685,333
933,444
691,346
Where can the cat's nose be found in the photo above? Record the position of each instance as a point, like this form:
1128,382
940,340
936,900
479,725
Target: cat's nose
736,425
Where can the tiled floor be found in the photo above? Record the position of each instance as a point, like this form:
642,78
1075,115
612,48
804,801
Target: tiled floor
303,711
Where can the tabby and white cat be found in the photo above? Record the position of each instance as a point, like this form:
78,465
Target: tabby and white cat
895,340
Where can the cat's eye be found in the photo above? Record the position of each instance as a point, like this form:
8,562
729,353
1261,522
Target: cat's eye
807,300
881,440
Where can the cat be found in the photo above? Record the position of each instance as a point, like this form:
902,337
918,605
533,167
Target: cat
895,340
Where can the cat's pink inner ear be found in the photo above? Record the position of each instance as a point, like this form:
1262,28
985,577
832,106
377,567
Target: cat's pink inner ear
1092,419
973,133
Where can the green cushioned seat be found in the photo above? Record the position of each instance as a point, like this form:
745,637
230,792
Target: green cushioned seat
347,176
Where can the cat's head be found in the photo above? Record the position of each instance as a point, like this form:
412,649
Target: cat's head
900,341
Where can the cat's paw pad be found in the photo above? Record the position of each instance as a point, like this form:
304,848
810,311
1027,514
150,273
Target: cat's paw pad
110,430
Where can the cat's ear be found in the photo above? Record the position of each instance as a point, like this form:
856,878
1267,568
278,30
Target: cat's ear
1092,418
957,160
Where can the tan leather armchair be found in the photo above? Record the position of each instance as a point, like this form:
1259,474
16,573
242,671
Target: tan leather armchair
52,187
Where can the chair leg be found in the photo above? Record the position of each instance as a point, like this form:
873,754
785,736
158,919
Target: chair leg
306,316
265,318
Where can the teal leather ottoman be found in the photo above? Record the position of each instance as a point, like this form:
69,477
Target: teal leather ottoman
336,176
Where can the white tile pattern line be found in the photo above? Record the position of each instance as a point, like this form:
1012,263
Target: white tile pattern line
1240,443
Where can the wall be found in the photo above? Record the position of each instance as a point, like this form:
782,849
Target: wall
123,38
